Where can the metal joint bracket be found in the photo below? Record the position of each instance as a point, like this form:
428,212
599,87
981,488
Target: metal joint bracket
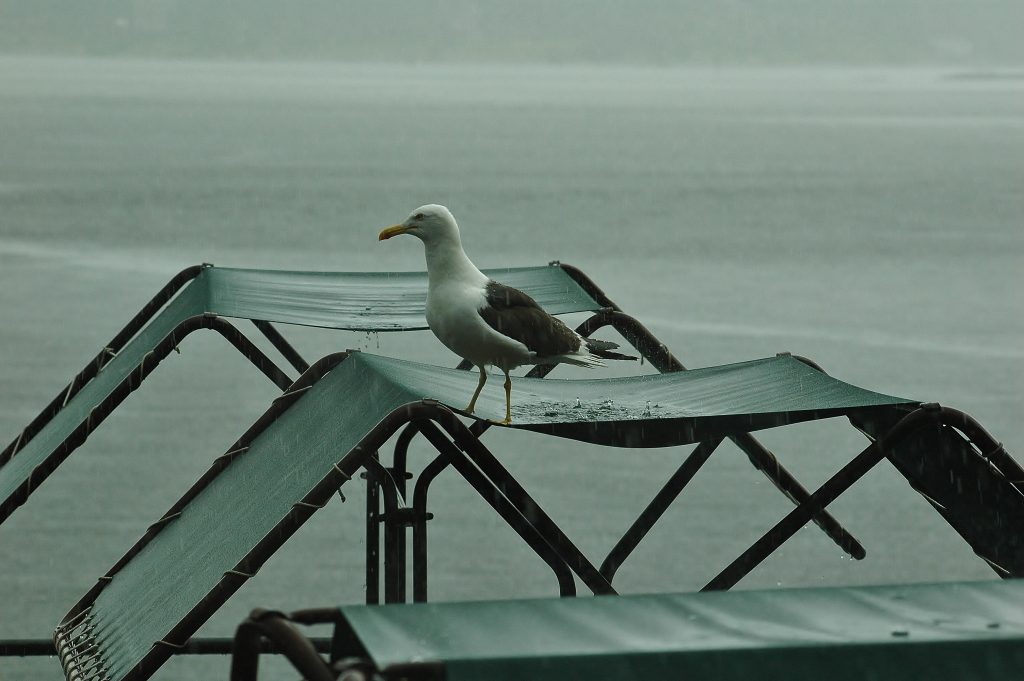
998,450
405,517
342,473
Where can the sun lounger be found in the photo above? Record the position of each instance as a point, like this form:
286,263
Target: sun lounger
314,440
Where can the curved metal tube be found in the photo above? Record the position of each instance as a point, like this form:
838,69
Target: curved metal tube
990,449
274,626
587,284
509,487
508,511
394,563
419,528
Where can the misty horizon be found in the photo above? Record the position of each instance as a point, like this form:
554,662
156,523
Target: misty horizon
791,33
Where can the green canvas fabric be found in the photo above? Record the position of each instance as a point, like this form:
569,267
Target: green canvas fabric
642,411
367,301
360,301
957,631
13,473
248,500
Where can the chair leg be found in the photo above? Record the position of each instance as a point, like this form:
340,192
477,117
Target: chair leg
822,497
372,538
796,519
662,500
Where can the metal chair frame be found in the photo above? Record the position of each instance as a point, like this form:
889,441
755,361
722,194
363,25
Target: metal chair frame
463,450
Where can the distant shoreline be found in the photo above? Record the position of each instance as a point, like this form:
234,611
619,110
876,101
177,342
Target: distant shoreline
953,71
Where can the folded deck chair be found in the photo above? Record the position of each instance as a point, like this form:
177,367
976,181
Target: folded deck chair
956,632
204,297
186,566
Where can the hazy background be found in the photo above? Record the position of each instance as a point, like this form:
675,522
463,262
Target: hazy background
730,32
838,180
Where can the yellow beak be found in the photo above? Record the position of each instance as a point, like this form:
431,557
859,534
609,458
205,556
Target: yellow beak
393,230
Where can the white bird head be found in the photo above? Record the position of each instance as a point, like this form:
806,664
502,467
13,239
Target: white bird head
430,224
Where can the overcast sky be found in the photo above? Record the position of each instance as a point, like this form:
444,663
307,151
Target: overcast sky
860,32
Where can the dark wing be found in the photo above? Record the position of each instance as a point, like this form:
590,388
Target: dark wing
604,349
511,312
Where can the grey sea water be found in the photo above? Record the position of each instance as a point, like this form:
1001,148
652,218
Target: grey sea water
871,220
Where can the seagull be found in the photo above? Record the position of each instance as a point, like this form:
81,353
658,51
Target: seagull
484,322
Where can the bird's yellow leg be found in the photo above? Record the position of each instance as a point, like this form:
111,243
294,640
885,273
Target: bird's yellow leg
508,399
479,387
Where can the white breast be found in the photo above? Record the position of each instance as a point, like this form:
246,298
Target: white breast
453,315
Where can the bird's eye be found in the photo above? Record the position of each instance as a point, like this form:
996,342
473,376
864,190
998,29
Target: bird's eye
418,216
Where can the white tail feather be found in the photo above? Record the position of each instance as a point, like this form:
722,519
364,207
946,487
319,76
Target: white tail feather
580,360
